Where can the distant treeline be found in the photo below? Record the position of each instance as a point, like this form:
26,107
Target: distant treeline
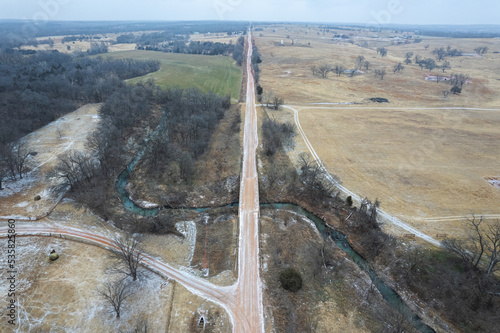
37,89
169,42
15,33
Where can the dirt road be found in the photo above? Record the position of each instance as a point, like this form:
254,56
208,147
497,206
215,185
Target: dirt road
242,300
249,285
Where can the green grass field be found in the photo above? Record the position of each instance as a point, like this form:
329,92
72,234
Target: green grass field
209,73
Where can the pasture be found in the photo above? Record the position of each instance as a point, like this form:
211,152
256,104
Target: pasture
426,156
208,73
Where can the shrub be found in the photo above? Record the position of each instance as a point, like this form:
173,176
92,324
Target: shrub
348,201
291,280
456,90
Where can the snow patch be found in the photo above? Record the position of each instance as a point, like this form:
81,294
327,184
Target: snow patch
188,229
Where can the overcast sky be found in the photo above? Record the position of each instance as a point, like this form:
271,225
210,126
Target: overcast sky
354,11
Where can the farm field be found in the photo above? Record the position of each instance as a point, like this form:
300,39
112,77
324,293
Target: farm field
209,73
428,158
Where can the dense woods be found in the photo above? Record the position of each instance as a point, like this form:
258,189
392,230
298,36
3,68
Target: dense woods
187,121
38,89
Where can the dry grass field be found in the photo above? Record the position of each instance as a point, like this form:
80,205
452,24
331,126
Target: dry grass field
429,166
214,37
287,69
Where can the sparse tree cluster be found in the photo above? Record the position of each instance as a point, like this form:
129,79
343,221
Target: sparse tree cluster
441,53
428,63
325,69
272,100
276,136
481,251
408,57
398,68
382,51
97,48
380,73
15,161
481,50
312,178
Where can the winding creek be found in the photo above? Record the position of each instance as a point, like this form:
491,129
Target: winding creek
389,295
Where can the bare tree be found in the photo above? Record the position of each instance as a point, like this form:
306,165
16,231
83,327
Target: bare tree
116,293
398,68
314,70
481,50
267,98
459,80
382,51
127,256
367,64
493,246
418,57
278,101
74,169
470,250
4,163
380,73
339,69
16,158
446,65
361,60
324,69
439,53
446,93
480,246
408,57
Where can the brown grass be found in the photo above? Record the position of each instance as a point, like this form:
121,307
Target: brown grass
332,299
403,89
421,164
216,245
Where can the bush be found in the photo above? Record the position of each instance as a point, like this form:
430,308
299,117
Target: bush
348,201
291,280
456,90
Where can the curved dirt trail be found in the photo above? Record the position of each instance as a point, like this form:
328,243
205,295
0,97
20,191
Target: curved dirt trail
382,214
